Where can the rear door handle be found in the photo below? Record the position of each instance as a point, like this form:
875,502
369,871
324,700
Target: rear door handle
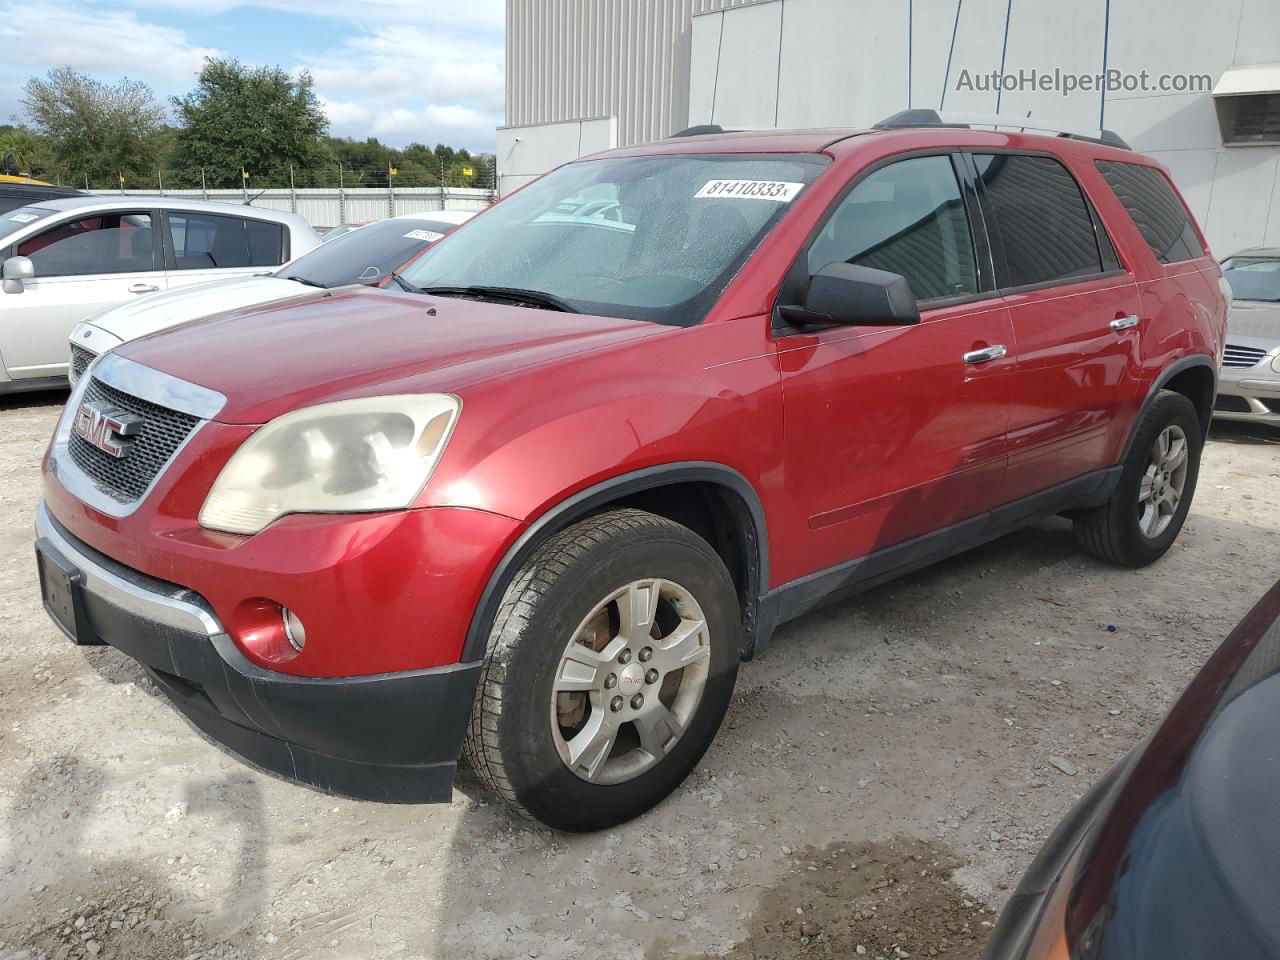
1124,323
993,352
143,288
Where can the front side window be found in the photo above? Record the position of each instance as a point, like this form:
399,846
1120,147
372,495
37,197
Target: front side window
203,241
366,255
1159,214
1253,278
1041,218
647,238
907,218
102,243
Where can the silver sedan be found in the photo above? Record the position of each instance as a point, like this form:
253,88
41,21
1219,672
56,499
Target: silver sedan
1249,388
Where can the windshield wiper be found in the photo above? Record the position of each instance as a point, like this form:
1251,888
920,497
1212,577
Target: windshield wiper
308,282
532,298
405,284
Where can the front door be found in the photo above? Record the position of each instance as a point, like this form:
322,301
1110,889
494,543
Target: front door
82,266
896,432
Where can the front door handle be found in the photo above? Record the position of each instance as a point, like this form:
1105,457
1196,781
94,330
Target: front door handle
993,352
1124,323
143,288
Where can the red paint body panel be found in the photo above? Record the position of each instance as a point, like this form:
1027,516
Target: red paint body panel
852,438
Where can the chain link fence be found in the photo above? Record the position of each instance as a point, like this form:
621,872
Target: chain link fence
325,196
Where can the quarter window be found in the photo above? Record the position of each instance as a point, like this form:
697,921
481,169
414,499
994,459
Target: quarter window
1041,218
103,243
211,242
1159,214
907,218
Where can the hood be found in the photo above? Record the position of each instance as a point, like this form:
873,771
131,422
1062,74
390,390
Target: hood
1254,320
359,341
159,311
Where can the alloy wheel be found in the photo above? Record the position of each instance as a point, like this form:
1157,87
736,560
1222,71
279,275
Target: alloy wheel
629,681
1162,485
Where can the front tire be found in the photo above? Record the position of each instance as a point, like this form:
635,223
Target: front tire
610,666
1150,503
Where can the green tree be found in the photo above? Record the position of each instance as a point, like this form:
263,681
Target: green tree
96,129
258,118
32,152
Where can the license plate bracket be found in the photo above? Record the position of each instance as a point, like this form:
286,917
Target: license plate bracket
62,591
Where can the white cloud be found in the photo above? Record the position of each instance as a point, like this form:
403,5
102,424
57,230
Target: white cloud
38,36
402,70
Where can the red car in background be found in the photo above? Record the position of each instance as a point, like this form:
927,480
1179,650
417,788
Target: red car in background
536,508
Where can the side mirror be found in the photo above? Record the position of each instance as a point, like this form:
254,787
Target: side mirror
850,295
16,270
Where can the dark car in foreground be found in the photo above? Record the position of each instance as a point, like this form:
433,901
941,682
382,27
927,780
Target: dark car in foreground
1176,851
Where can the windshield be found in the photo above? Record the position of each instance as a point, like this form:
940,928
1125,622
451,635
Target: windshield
1253,278
646,238
11,221
366,255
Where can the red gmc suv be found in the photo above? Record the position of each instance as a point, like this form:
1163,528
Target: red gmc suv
535,506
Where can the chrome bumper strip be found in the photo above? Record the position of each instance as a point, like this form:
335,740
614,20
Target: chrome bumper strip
128,589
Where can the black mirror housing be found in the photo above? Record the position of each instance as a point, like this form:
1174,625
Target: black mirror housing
852,295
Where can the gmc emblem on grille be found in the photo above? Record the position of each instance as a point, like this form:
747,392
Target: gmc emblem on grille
106,428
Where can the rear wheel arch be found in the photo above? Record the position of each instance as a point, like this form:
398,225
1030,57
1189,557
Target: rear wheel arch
1196,378
715,501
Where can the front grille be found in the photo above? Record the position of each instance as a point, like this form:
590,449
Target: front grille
1237,356
1226,403
80,360
127,478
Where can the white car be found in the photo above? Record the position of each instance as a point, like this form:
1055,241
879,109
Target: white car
68,259
368,255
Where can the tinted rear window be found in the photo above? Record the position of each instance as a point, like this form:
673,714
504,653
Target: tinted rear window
203,241
1041,218
1161,218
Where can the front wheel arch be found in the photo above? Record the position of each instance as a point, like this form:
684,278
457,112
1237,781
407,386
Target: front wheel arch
735,517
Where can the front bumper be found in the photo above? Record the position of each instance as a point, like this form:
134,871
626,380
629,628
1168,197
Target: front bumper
392,737
1251,395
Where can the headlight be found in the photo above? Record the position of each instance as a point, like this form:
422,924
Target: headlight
353,456
1275,363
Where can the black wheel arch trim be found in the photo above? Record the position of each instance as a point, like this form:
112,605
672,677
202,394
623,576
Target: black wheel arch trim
579,505
1168,373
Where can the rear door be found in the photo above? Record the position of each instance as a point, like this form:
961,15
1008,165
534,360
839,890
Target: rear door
205,246
83,265
1075,316
890,433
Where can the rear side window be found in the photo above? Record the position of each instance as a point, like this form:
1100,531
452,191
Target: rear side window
1041,218
907,218
1161,218
210,242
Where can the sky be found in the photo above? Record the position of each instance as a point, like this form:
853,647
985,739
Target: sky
398,70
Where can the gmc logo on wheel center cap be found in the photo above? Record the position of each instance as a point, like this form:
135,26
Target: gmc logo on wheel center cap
106,428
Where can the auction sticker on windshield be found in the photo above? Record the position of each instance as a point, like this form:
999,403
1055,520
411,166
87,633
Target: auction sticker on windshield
782,191
24,217
430,236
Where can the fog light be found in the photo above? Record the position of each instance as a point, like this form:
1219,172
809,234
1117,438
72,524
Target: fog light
293,629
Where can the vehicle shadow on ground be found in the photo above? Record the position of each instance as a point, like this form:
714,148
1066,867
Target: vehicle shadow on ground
36,398
67,898
1249,434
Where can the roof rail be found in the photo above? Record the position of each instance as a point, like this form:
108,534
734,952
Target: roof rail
699,130
920,117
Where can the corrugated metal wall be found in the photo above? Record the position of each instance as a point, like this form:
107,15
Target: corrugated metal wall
578,59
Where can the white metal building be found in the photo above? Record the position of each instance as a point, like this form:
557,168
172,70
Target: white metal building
585,75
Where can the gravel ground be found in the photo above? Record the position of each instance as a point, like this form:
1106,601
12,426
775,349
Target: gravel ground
886,771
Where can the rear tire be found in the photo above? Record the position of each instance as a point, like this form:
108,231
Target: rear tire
1150,503
610,666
